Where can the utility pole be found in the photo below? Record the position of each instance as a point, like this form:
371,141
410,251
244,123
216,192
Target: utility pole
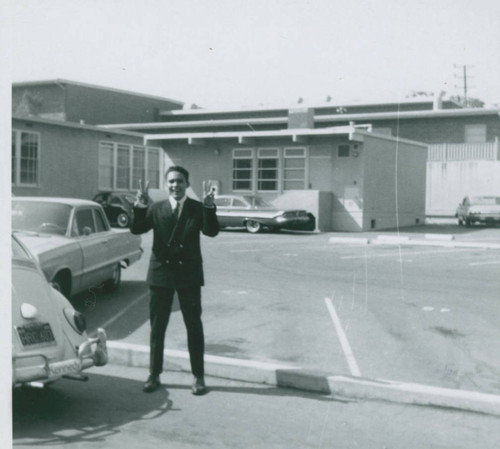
463,77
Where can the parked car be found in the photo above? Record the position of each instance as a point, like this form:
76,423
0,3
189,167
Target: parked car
73,242
49,339
254,213
118,206
478,209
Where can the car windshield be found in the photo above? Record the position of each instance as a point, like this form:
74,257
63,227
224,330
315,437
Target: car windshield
257,201
38,216
486,200
18,251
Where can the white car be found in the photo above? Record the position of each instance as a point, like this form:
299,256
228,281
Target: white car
49,339
479,209
74,243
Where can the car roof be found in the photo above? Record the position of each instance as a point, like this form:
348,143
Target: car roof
75,202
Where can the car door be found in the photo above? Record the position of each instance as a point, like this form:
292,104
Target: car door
238,211
223,216
94,243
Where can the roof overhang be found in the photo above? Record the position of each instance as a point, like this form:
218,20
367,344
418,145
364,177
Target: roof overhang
249,137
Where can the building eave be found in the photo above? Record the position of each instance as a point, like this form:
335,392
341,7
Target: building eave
61,123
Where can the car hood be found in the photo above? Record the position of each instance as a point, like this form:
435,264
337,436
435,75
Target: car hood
39,243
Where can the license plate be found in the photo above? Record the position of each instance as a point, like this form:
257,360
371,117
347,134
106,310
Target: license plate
36,334
66,367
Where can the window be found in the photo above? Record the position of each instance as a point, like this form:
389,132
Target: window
25,158
222,202
84,220
121,166
99,219
343,151
238,203
268,174
475,133
294,169
106,166
153,175
270,169
243,169
138,166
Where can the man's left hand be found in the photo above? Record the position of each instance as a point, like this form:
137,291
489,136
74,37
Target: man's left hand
209,200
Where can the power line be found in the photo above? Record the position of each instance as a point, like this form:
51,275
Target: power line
464,78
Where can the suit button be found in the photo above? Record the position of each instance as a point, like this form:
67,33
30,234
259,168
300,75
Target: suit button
180,262
181,246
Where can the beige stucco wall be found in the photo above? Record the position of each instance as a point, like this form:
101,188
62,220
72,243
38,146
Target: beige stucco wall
395,183
449,182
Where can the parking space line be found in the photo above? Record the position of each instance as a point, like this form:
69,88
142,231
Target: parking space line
491,262
124,310
346,347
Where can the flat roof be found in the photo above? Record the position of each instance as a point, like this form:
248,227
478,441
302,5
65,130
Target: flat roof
94,86
354,133
54,122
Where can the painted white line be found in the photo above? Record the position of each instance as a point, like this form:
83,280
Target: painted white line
493,262
245,250
351,361
124,311
409,253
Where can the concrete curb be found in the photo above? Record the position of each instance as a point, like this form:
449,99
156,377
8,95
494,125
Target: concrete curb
282,375
442,240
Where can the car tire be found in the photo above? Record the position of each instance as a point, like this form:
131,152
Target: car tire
122,220
112,284
253,226
61,283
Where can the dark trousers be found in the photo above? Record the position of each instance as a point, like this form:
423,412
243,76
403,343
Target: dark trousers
159,312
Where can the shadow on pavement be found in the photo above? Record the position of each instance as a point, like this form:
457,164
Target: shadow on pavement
121,312
72,412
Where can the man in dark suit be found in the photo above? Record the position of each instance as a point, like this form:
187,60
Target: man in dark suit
175,265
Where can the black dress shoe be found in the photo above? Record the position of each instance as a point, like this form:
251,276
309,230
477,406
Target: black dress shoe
198,388
152,384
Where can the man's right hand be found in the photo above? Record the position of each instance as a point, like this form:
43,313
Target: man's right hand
142,197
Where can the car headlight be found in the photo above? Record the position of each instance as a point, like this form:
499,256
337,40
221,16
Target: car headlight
76,320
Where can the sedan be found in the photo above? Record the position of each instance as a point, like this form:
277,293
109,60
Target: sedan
73,242
478,209
118,206
254,213
49,339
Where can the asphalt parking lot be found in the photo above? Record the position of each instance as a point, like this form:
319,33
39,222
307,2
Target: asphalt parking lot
424,314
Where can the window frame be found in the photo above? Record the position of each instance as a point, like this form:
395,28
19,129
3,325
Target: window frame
470,126
149,154
278,169
305,157
17,141
251,157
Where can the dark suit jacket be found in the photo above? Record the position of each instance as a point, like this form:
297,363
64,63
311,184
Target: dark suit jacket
176,260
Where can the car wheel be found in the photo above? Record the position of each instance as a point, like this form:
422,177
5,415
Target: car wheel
62,283
122,220
112,284
253,226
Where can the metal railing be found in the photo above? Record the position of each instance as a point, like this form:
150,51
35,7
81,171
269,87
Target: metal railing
463,152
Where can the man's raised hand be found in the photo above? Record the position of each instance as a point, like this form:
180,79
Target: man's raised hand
142,197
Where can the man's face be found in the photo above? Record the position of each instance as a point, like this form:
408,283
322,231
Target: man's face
176,185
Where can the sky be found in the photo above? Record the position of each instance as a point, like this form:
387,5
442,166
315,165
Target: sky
245,53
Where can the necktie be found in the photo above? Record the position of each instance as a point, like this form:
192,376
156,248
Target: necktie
177,210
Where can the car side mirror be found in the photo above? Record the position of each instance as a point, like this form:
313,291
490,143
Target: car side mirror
87,230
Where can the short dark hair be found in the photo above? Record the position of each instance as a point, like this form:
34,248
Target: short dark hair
178,169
